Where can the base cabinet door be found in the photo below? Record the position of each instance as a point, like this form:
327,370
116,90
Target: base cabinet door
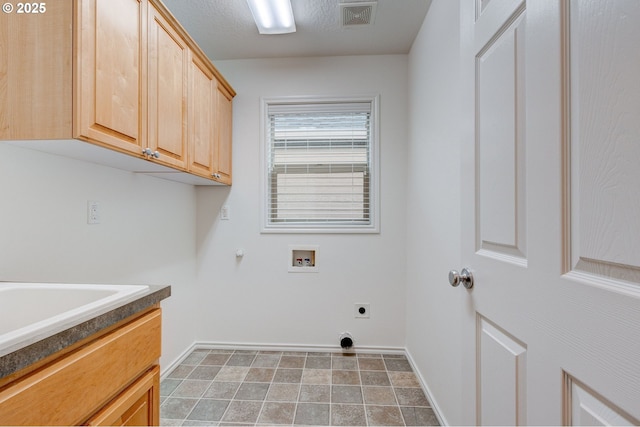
138,405
74,386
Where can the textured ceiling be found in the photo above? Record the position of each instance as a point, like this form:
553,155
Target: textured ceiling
224,29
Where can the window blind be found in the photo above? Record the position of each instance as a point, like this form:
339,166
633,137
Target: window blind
319,163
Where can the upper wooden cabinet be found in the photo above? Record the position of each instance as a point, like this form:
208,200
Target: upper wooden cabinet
36,70
222,146
209,124
201,118
168,55
110,73
120,74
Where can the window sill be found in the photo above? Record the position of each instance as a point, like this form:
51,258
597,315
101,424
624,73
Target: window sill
318,230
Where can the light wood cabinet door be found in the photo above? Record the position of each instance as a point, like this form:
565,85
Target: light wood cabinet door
223,135
168,71
70,389
34,102
138,405
122,75
110,73
202,99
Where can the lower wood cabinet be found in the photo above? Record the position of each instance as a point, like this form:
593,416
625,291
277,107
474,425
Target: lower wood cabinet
136,406
112,379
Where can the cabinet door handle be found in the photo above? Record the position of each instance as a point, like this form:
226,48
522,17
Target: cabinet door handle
147,152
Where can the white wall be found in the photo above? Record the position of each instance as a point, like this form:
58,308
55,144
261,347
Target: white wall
255,300
154,231
146,234
433,210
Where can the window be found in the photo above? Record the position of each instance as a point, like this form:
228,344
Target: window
320,165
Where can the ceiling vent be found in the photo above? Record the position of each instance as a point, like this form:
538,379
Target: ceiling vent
358,14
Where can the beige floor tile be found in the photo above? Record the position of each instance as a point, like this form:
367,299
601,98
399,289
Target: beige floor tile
314,414
315,393
419,416
240,411
283,392
232,373
379,395
348,415
247,387
260,374
277,413
371,364
292,362
345,377
410,397
316,376
404,379
384,415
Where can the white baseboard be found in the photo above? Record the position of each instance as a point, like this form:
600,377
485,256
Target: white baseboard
207,345
165,370
204,345
298,348
425,388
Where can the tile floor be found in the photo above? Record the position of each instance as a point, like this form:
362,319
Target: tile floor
241,387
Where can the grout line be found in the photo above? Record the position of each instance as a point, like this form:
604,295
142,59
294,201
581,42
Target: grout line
295,412
264,400
239,385
330,388
393,390
333,357
364,404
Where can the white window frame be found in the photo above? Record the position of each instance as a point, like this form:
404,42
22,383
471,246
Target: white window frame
374,183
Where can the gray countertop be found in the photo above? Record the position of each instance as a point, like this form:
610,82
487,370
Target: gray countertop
23,357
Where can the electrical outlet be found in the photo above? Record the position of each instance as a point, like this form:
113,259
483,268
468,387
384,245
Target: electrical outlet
93,212
361,311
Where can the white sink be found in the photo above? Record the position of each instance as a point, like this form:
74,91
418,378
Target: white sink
30,312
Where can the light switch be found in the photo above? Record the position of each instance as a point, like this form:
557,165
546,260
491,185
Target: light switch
225,212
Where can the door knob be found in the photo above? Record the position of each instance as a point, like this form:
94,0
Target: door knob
465,277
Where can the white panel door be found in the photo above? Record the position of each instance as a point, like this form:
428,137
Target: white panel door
551,212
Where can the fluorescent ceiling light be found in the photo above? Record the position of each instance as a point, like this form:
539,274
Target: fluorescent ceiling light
273,16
